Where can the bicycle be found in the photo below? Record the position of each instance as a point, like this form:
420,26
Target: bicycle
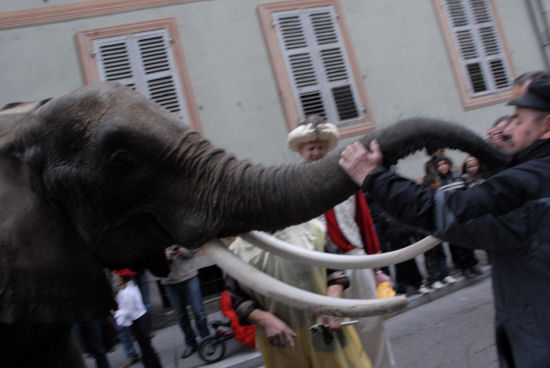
212,349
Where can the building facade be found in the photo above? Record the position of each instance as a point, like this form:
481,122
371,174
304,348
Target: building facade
243,72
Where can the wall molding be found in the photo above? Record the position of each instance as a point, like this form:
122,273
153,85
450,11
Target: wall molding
90,8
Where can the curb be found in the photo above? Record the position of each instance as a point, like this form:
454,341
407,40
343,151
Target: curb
417,300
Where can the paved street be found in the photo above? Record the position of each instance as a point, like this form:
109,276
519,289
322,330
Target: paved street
455,331
452,328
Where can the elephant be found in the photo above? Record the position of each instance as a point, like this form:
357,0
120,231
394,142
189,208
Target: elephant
103,177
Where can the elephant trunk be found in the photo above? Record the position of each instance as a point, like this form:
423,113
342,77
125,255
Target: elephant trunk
234,196
410,135
237,196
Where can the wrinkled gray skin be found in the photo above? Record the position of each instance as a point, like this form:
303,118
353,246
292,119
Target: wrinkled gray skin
102,177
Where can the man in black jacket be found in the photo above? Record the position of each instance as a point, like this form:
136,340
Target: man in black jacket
508,215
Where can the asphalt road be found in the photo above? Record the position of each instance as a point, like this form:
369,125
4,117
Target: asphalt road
454,331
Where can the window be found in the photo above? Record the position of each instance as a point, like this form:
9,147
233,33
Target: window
314,64
144,56
477,50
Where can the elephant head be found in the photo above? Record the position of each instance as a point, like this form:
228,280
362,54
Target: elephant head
103,177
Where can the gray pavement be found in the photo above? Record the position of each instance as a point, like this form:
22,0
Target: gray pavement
433,332
454,331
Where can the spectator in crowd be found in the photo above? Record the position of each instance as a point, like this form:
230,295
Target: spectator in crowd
494,134
351,231
463,258
124,333
474,175
183,288
282,332
471,173
508,214
435,258
131,313
398,236
431,179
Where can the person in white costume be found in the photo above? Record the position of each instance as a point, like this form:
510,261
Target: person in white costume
351,229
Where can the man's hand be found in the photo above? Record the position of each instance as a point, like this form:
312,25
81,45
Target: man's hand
357,162
278,334
334,323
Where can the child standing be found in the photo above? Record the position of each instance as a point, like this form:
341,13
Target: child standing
131,314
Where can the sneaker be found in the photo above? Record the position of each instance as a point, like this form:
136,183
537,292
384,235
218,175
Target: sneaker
449,280
423,289
437,285
189,350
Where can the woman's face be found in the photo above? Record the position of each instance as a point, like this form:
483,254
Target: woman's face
313,151
443,167
472,165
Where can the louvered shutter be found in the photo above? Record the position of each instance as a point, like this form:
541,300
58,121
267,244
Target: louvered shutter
318,65
479,46
144,62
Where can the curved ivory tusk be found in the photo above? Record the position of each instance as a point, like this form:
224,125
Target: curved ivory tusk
290,295
338,261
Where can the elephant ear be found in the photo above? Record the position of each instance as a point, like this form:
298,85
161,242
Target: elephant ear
46,273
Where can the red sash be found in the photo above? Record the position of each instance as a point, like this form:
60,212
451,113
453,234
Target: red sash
364,221
244,334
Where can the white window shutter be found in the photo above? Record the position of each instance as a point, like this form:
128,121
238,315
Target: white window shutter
479,46
144,62
318,65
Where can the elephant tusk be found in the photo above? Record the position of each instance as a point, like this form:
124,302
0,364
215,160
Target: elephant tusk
338,261
290,295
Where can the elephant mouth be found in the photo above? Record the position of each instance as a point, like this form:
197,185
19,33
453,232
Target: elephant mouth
137,241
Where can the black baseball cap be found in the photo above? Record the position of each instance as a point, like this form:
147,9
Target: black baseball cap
537,96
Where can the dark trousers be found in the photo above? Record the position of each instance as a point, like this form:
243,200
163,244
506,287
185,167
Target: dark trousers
463,258
407,273
436,264
140,331
90,335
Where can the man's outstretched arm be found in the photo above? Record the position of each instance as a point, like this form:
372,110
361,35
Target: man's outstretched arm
400,197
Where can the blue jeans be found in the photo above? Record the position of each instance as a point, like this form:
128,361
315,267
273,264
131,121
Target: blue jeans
126,338
185,293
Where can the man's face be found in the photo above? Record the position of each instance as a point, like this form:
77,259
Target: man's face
313,151
524,130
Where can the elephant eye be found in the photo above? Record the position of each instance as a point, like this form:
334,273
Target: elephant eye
122,162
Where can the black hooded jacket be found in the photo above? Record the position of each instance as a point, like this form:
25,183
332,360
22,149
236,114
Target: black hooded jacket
508,215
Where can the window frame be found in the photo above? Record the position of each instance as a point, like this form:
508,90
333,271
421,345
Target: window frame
85,44
283,79
470,102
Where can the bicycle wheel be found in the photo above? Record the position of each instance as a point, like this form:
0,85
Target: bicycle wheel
212,349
